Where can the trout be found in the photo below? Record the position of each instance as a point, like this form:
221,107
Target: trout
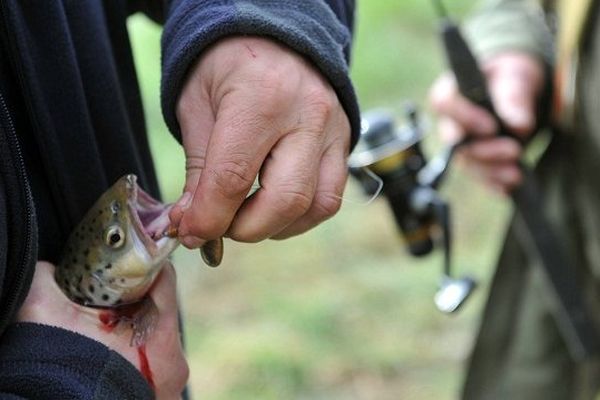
115,253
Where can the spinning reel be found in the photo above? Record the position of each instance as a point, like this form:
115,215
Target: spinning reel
410,186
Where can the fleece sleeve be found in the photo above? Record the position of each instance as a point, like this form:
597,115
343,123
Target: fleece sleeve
319,30
501,25
43,363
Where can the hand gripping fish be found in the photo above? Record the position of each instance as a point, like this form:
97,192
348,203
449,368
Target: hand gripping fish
115,253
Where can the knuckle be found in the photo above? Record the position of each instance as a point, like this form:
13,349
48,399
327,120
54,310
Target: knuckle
322,101
319,109
326,205
277,93
194,161
293,203
185,105
233,178
442,92
273,79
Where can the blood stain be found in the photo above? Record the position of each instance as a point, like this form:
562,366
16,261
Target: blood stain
109,320
145,365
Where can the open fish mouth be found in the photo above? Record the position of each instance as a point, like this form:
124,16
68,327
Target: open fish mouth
150,217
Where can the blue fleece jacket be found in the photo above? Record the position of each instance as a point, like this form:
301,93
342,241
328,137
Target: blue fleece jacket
68,94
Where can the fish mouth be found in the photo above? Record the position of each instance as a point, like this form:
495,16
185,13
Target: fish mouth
150,219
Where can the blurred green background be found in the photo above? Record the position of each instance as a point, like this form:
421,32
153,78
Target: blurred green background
341,312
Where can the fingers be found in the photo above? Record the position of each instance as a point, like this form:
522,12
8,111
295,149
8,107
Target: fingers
276,116
196,121
44,290
515,80
163,291
288,182
239,143
493,150
47,304
446,100
41,288
328,197
501,176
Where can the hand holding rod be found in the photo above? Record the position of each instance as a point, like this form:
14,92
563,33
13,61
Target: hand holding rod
571,313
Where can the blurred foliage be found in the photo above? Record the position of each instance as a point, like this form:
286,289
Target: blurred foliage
341,312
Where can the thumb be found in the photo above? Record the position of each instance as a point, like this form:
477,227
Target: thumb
515,102
515,84
196,121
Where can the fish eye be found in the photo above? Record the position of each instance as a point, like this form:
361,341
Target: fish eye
114,237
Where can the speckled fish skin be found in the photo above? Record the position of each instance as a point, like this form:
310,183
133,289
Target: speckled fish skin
109,258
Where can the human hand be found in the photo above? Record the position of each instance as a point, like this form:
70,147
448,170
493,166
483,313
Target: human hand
252,107
514,80
46,304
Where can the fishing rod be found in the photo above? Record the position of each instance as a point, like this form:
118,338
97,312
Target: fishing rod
411,183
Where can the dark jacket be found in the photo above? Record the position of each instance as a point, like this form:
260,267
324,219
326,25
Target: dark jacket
71,123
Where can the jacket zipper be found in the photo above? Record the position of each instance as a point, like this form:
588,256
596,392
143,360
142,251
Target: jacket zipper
27,254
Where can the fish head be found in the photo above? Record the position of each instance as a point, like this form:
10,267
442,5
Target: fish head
117,250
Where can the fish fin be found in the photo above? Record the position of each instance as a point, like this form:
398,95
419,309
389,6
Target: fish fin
143,322
212,252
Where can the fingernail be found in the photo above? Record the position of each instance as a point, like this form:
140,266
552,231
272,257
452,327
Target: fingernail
517,117
184,201
520,120
192,242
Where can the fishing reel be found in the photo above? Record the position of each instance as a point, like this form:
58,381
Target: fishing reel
410,185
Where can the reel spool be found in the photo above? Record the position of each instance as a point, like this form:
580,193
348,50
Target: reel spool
410,187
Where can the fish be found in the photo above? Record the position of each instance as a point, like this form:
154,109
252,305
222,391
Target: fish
115,253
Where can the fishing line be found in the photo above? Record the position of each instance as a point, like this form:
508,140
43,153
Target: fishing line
256,186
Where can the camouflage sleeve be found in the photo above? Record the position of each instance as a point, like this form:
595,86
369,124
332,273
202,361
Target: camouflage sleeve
501,25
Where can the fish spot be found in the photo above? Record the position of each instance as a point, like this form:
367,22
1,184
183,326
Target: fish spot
105,297
119,301
99,271
66,281
91,288
108,266
86,252
91,230
87,267
89,300
111,280
74,259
